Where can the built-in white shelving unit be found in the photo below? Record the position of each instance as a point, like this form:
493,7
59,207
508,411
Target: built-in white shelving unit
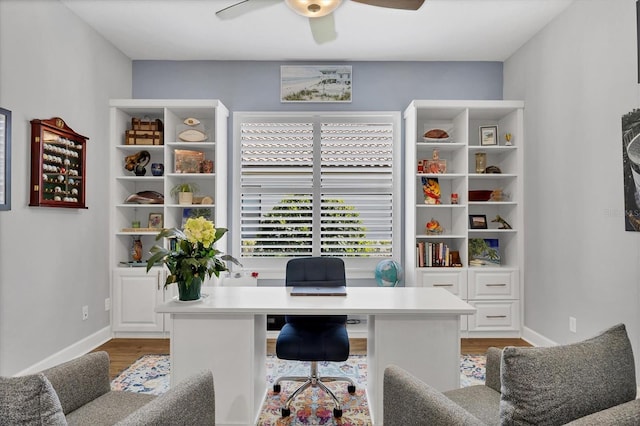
136,293
494,289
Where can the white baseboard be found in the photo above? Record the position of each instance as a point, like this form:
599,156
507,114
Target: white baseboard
73,351
535,338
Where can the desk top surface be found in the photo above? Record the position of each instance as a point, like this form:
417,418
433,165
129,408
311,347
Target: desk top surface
359,300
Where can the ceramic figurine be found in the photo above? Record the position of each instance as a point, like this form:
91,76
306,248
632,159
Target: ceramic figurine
136,162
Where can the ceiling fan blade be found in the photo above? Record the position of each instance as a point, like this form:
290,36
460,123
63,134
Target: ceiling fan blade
242,7
323,28
394,4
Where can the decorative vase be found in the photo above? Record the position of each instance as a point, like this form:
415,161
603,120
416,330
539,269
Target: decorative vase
190,293
140,170
481,161
157,169
136,249
185,198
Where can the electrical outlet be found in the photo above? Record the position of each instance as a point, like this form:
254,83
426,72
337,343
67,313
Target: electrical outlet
85,313
572,325
107,304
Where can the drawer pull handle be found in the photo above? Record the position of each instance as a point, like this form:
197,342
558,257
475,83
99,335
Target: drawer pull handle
496,316
496,285
443,285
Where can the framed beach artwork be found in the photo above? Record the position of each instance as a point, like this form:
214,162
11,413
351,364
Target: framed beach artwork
315,83
488,135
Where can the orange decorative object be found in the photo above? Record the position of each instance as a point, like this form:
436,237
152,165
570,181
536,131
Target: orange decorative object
433,227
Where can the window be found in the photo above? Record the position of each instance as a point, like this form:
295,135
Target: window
316,184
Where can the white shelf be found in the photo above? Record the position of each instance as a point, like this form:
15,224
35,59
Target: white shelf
190,206
192,145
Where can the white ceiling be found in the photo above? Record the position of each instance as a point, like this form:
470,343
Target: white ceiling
456,30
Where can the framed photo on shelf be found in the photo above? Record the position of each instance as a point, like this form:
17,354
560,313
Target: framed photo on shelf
488,135
484,252
155,221
477,221
187,161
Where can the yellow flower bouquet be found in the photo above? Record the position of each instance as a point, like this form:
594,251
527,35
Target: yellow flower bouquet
191,256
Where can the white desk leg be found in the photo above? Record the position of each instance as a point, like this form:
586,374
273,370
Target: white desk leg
233,347
427,346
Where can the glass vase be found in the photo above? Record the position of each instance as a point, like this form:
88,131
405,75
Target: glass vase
481,162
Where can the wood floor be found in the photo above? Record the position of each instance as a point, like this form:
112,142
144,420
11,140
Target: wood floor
124,352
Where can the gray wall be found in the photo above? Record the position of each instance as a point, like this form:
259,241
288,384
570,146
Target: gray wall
53,261
578,77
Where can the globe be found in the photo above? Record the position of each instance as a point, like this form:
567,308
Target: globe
388,273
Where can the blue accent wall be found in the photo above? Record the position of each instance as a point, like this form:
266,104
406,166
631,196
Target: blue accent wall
255,85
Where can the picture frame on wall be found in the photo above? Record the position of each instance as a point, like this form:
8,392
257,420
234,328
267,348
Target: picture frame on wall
5,159
488,135
477,221
316,83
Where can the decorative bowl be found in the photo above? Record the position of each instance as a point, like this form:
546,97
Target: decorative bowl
479,195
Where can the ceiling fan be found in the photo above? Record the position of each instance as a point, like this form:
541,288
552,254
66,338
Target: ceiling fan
319,12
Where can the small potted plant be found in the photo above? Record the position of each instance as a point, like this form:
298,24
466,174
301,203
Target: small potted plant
185,192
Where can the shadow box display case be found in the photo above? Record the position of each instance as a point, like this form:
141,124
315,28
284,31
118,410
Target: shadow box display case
57,165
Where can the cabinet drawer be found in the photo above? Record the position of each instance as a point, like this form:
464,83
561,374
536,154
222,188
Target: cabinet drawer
453,282
494,285
495,316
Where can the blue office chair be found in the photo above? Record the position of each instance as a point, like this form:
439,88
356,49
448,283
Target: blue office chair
314,338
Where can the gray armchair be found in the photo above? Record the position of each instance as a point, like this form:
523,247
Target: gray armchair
587,383
79,392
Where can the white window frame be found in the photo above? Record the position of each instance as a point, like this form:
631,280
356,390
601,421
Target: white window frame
274,267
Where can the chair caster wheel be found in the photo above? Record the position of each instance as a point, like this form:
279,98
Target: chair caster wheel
351,389
276,389
286,412
337,413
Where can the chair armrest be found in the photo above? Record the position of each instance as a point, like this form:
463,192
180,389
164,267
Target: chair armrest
408,401
492,368
627,414
190,402
80,380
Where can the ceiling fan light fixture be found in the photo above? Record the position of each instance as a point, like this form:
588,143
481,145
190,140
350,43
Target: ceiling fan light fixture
313,8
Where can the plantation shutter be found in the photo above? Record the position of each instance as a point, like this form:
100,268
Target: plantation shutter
316,185
277,184
357,187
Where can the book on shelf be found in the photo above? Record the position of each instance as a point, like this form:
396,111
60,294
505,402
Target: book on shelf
433,254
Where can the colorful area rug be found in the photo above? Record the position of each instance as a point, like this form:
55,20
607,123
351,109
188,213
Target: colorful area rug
150,374
314,406
472,371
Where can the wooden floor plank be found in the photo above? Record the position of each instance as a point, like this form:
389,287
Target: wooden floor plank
124,352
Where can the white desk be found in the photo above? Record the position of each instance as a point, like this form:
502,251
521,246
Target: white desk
416,328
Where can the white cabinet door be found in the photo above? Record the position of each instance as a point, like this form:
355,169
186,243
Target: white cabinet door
136,295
